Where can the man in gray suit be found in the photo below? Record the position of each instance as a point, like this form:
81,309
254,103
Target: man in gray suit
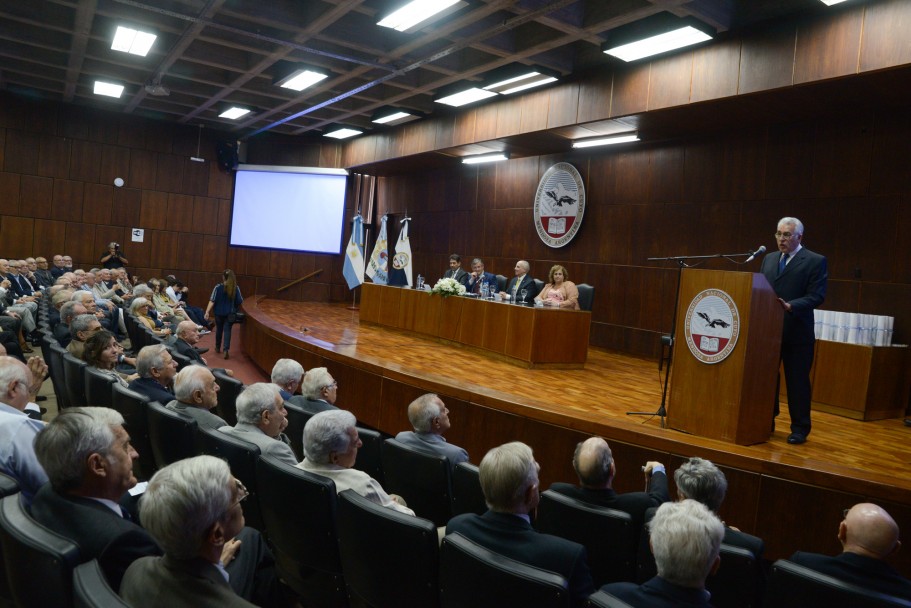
196,393
430,418
261,418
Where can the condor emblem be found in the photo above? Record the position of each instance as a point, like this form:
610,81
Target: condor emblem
712,326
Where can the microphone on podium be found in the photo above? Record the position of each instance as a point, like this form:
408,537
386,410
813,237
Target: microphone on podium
753,255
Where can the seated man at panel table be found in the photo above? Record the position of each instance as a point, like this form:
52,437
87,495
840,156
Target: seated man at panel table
595,466
455,270
261,418
196,393
17,429
156,368
287,375
521,281
330,446
478,277
69,311
430,418
319,390
868,535
509,480
686,542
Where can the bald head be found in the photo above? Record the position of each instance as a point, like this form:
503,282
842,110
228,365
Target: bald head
594,463
869,530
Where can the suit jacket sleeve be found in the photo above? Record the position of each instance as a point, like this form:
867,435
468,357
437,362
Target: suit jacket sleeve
816,286
657,489
123,551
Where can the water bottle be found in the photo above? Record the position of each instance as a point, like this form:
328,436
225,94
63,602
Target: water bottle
420,282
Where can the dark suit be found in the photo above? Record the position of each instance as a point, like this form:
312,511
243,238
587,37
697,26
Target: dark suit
634,503
802,284
152,389
311,406
475,286
859,570
512,536
527,283
658,593
459,275
184,348
166,581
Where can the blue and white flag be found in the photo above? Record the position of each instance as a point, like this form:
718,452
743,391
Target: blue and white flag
378,266
400,274
354,254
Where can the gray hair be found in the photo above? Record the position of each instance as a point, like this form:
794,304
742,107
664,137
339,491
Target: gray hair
422,411
798,225
81,323
66,311
142,290
702,481
190,379
136,303
254,400
185,326
66,443
477,261
506,472
149,357
327,432
685,538
524,265
183,501
315,381
592,461
13,370
287,370
79,295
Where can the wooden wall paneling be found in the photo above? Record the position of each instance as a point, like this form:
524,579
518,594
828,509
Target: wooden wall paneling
205,215
68,199
165,248
54,156
170,172
236,259
486,124
97,204
790,160
554,446
889,299
716,71
767,59
74,122
666,174
842,156
702,178
126,207
258,261
281,264
481,428
743,165
442,132
662,231
143,168
224,217
902,263
463,127
670,81
875,263
153,213
534,108
190,249
392,406
828,47
80,244
195,179
103,236
842,295
49,237
890,21
85,161
159,135
330,155
625,171
132,133
16,235
221,184
9,192
630,91
105,127
564,105
2,144
509,116
891,150
180,213
516,183
359,391
21,152
303,264
115,162
615,234
422,135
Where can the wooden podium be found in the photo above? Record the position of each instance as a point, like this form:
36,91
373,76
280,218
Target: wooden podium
731,399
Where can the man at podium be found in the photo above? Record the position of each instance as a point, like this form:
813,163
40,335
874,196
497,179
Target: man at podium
799,278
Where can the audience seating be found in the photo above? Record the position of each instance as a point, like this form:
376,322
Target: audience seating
182,360
8,487
608,535
132,406
389,558
132,325
369,456
58,376
586,296
98,387
600,599
501,282
75,379
792,585
467,496
421,477
739,581
172,435
91,588
39,563
228,390
539,284
299,511
241,457
297,420
474,577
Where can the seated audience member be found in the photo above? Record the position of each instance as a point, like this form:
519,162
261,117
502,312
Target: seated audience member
430,418
156,368
11,324
196,393
9,345
176,296
595,466
107,289
287,375
261,418
42,273
162,303
455,270
319,391
559,292
69,311
27,269
18,385
521,281
509,480
60,295
192,509
330,450
868,535
104,353
139,307
187,339
109,319
479,277
81,328
685,538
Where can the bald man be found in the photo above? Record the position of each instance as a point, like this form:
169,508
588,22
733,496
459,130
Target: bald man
868,535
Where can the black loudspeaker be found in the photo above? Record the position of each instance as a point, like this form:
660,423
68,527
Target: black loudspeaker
226,155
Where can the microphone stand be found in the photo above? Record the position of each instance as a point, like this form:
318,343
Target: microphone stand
682,262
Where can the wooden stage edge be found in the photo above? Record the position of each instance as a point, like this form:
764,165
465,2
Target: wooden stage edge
791,496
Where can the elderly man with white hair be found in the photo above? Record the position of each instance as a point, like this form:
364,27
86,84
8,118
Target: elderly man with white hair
319,390
287,375
261,418
330,446
156,368
17,430
430,418
196,393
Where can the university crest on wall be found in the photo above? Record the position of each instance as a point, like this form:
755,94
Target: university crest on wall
559,205
712,326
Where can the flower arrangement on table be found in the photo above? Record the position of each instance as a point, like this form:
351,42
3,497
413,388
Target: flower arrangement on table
448,287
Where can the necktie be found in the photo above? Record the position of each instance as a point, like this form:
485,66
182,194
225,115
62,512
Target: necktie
515,287
782,263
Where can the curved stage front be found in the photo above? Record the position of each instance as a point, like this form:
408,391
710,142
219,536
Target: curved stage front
791,496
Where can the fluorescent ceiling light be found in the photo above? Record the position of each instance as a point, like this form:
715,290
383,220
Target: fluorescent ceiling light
485,158
343,133
301,79
109,89
234,113
391,117
415,12
831,2
521,82
606,141
465,97
132,41
529,85
661,43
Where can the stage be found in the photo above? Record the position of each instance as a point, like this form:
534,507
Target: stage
791,496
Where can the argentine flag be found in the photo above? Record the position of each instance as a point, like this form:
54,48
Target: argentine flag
354,254
378,267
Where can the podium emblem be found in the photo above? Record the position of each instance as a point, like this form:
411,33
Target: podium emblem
559,205
712,326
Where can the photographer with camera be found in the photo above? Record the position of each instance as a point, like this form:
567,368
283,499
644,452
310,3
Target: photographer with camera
113,258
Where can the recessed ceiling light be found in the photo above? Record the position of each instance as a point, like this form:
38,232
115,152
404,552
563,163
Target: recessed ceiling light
234,112
529,85
343,133
831,2
132,41
301,79
606,141
485,158
414,13
465,97
661,43
391,117
109,89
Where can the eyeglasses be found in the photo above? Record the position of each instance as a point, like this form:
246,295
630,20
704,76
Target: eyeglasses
242,491
331,386
784,235
844,513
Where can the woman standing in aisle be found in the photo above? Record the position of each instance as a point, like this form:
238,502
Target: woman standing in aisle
225,301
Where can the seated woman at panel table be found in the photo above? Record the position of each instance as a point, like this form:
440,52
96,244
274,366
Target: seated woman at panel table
104,353
140,309
559,292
